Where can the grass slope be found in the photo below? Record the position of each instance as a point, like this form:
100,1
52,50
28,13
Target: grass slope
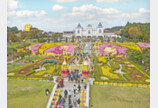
11,67
102,96
27,94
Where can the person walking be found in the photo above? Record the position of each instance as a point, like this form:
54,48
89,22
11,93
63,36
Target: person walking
91,106
63,102
85,86
65,93
62,83
74,101
75,79
74,88
49,78
69,102
69,77
78,102
60,99
70,106
47,92
69,93
82,79
72,78
78,79
79,88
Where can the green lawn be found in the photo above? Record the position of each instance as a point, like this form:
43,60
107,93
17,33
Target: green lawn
16,45
11,67
32,58
103,96
27,94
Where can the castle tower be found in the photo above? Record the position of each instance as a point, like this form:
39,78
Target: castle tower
100,30
78,30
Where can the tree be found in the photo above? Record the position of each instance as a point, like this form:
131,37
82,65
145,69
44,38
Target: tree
13,37
12,29
114,39
134,32
101,38
73,38
66,39
108,39
146,57
137,31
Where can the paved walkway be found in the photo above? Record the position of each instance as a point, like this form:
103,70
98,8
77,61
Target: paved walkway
69,86
87,47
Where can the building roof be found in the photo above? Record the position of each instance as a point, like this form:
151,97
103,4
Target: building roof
79,25
100,25
89,25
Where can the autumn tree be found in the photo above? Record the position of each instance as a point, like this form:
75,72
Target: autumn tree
134,32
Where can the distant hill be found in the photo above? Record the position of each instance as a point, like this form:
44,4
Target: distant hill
114,29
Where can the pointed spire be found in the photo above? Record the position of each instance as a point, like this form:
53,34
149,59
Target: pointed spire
79,25
64,63
100,25
85,62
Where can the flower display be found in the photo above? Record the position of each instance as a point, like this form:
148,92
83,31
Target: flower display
143,45
61,49
106,72
40,73
35,48
106,49
130,45
102,59
10,74
50,45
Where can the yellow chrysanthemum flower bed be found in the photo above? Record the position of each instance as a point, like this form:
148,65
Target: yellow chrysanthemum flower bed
106,72
102,59
84,67
40,73
51,69
130,45
49,45
64,67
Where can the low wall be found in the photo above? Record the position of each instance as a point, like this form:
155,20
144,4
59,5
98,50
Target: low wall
51,96
87,95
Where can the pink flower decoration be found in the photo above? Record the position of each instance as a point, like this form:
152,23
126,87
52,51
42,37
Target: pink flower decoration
60,49
35,48
143,45
119,49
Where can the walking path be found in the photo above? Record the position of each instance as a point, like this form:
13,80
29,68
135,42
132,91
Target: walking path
83,94
69,86
87,47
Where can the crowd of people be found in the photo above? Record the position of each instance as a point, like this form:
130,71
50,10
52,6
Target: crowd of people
71,95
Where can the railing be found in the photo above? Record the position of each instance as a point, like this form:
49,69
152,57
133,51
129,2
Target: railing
51,96
87,95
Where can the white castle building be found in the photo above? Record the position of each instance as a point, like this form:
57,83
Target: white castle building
89,32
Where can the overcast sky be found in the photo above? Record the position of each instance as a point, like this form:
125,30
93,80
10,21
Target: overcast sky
62,15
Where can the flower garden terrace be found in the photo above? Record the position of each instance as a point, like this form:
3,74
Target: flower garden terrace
110,64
